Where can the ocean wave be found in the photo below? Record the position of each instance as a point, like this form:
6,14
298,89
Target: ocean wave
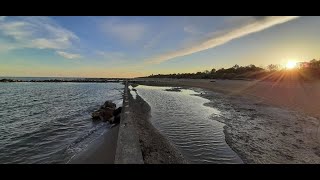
39,121
81,142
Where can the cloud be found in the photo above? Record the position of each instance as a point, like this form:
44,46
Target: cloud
260,17
127,32
113,58
6,47
191,30
111,54
154,40
68,55
2,18
36,32
258,24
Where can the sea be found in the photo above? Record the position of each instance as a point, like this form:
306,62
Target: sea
50,122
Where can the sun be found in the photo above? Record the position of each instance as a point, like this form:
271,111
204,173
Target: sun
291,64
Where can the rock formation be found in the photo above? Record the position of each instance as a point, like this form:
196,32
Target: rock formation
108,112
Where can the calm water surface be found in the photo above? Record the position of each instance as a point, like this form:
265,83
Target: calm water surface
50,122
188,124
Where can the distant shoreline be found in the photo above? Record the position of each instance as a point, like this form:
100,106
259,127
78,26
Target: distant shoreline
63,81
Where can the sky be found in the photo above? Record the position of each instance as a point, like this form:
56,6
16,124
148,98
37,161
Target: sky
135,46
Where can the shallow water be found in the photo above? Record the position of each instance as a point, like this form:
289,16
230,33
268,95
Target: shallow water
133,93
50,122
188,124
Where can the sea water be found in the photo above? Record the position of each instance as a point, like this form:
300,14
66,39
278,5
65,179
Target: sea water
51,122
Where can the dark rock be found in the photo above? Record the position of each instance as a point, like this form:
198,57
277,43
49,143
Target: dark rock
105,112
117,111
133,89
7,80
108,104
96,114
115,119
174,89
116,115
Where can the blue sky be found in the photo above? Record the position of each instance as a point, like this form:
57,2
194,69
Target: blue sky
91,46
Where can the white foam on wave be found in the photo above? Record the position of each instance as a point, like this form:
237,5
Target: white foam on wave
83,142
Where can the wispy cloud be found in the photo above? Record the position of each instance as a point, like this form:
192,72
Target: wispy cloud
111,54
6,47
154,40
36,32
113,58
128,32
191,30
68,55
257,25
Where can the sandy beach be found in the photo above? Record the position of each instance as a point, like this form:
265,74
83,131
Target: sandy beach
100,151
264,122
295,95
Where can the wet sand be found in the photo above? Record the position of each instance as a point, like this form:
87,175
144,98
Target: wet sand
100,151
156,149
261,129
262,133
299,96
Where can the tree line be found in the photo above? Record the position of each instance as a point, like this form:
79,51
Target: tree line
306,70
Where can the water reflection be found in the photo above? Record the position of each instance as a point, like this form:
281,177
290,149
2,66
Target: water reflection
182,117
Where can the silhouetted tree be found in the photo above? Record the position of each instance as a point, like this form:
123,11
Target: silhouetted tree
236,66
311,69
213,70
273,67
